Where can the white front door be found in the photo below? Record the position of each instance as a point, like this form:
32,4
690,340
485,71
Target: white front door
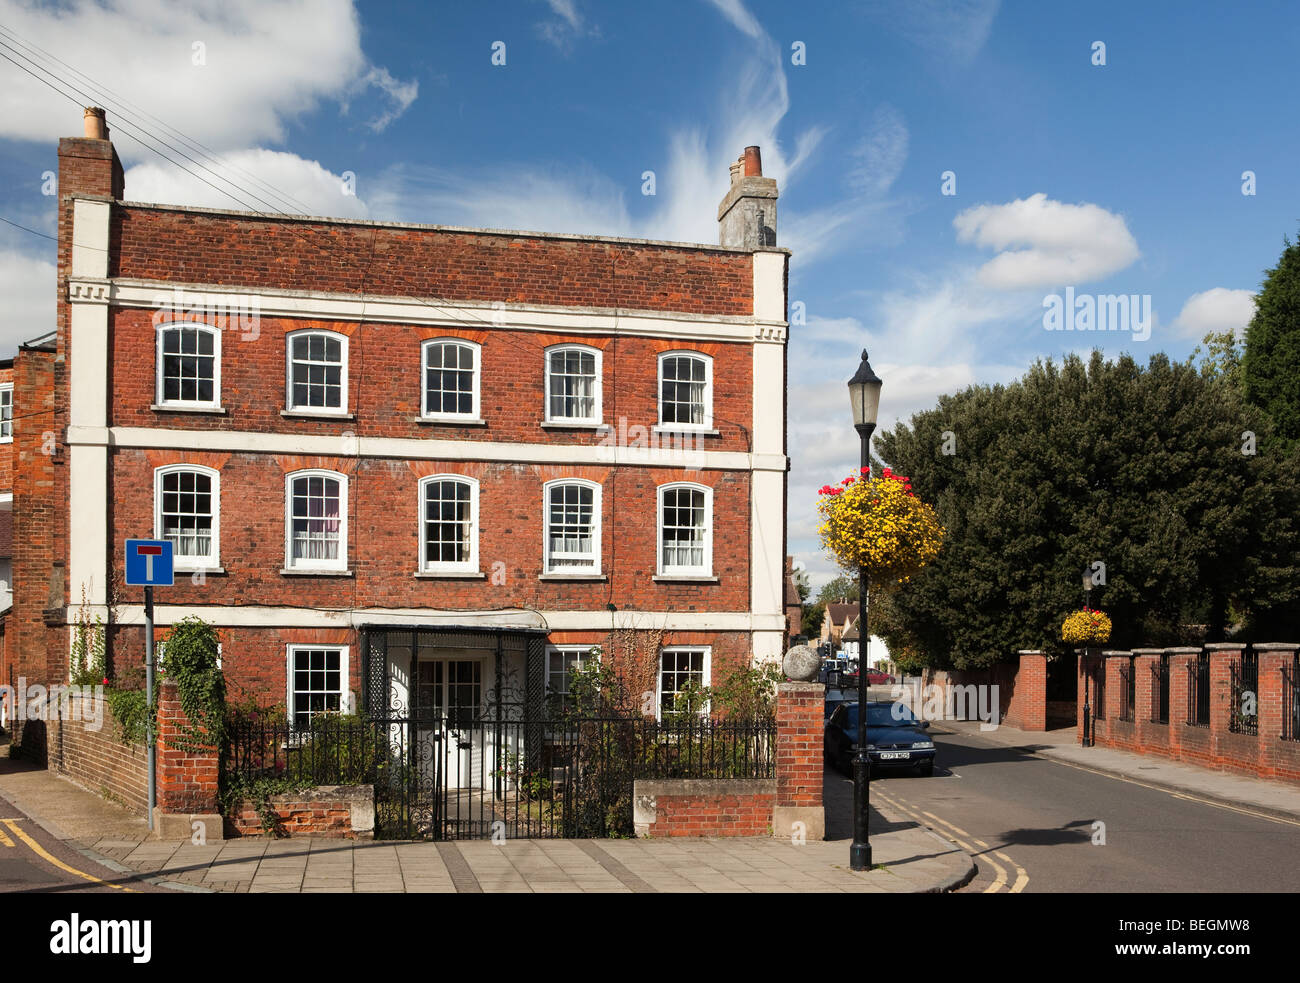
451,692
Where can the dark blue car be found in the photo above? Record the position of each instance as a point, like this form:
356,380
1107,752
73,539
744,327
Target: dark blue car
895,738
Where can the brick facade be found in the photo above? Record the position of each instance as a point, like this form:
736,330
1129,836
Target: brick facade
86,746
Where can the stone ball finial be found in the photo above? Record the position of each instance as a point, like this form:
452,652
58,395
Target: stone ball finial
802,664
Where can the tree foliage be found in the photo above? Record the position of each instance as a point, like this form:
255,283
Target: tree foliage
1270,368
1139,469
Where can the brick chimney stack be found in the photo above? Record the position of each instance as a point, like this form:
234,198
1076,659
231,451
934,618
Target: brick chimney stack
88,164
747,215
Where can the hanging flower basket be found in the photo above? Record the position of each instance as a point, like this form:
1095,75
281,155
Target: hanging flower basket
880,526
1086,627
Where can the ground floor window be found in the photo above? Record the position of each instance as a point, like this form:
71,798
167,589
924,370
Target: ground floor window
317,681
560,665
678,668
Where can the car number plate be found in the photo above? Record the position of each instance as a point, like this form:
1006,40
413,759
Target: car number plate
894,755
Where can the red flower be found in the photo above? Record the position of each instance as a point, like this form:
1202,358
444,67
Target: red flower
105,680
847,481
866,471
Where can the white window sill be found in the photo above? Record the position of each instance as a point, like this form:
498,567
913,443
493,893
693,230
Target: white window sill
450,421
686,578
183,408
305,572
594,576
685,428
450,575
6,440
318,414
573,425
215,571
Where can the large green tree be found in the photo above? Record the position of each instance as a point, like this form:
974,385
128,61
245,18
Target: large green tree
1270,368
1139,469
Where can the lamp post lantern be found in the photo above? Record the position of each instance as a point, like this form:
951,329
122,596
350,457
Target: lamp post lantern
864,394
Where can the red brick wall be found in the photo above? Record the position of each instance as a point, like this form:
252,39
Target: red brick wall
1265,755
724,812
385,384
800,740
98,759
186,780
1024,702
323,812
195,247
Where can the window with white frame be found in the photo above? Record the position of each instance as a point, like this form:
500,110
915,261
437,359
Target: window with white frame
451,379
187,511
572,527
685,530
678,669
561,661
6,412
573,385
448,524
316,517
189,365
685,390
317,677
317,371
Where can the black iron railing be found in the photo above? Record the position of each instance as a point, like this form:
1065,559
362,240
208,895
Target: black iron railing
1127,684
1291,703
448,778
1243,716
1160,683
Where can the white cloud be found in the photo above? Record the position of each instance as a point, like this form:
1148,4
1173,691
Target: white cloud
27,285
312,189
566,27
951,30
879,157
264,64
1216,310
1062,244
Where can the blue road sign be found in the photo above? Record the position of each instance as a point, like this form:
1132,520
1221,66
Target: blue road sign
149,563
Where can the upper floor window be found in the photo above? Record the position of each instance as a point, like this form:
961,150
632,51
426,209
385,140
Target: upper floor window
316,518
685,390
189,365
685,530
451,379
318,371
573,388
6,412
187,511
448,524
572,527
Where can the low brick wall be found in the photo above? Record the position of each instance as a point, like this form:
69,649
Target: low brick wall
704,807
86,747
1215,746
342,811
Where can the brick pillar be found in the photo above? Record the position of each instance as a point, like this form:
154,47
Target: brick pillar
800,770
1114,660
1146,698
1221,658
1180,661
1031,691
1274,657
186,775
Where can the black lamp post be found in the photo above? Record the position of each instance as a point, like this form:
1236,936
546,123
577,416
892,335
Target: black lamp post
1087,676
864,393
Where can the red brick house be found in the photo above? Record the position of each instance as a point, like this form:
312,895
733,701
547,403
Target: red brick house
409,464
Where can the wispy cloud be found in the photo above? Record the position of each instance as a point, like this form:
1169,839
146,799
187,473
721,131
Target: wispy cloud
950,30
566,26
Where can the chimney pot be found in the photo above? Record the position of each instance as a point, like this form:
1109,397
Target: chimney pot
95,123
753,162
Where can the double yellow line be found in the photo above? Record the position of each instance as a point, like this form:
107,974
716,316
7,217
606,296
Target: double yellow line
1001,874
41,852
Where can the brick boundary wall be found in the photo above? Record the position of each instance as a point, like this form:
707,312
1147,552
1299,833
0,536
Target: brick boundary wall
790,804
1215,746
98,760
704,807
339,811
186,778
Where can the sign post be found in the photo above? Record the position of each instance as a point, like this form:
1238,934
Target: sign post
149,564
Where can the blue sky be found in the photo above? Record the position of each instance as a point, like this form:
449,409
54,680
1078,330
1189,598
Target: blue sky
1117,178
